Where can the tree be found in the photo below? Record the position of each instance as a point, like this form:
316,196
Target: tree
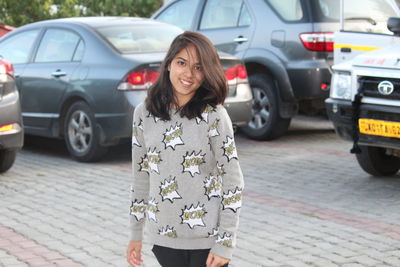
17,13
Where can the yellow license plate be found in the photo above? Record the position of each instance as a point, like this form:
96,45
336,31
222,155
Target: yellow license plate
378,127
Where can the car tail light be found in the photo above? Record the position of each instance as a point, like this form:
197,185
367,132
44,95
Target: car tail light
6,68
139,80
318,41
236,74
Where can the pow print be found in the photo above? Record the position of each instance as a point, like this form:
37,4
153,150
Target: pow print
154,160
225,240
135,142
140,125
193,216
138,209
213,187
191,163
168,231
156,119
172,137
220,170
213,130
232,200
152,209
213,233
144,165
204,115
168,190
229,149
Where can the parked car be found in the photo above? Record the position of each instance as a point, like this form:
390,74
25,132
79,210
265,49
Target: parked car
286,45
364,103
81,78
11,128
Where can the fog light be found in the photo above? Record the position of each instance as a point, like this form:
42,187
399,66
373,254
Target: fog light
9,128
335,108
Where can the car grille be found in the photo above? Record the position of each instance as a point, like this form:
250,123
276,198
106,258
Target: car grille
370,87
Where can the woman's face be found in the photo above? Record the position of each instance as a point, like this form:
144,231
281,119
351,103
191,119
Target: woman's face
186,74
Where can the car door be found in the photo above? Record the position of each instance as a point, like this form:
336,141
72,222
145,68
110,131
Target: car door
47,77
228,24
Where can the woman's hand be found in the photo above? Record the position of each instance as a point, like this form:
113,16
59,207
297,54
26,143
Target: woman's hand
216,261
134,253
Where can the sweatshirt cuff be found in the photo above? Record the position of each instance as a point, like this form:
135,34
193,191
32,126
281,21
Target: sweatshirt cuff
222,251
136,235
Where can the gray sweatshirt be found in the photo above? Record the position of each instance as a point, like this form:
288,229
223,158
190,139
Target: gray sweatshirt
187,182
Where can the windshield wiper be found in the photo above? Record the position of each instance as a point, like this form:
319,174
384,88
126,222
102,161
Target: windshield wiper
370,20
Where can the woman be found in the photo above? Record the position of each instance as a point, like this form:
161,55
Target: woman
187,179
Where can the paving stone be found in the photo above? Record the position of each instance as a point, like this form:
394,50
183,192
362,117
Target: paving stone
306,203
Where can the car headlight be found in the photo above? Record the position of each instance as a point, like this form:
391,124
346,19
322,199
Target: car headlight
341,85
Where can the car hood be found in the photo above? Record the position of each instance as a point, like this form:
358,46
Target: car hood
387,57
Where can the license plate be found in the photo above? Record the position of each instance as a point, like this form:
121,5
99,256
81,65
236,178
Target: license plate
378,127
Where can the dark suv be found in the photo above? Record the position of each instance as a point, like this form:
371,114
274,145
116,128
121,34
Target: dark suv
286,44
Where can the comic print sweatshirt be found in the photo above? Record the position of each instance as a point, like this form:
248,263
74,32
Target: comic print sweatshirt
187,182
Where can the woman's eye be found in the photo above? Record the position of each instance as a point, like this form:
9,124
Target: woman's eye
198,68
181,63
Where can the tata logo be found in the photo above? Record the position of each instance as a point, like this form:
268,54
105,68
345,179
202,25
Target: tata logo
385,88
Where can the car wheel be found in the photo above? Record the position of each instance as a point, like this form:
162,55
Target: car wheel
376,162
7,158
265,123
81,135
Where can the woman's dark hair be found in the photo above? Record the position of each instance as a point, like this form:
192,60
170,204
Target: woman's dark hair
212,91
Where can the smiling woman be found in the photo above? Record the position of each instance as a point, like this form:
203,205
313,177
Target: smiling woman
181,134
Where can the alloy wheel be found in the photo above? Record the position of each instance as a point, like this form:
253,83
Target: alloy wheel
80,131
260,109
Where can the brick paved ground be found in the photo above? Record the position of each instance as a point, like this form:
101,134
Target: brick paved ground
307,203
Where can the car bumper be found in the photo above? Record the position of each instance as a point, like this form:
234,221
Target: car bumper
10,111
340,112
239,106
306,81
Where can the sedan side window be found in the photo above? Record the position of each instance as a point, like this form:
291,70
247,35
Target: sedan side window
224,14
180,14
17,48
79,51
57,46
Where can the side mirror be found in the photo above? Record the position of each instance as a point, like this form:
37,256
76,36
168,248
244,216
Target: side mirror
393,25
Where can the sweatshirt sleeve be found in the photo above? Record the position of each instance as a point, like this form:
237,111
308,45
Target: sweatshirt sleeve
140,183
224,149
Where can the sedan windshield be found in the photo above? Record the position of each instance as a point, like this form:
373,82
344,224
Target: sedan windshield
128,39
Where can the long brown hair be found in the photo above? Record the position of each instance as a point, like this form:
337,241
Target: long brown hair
212,91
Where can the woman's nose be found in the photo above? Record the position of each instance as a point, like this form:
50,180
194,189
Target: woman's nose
189,71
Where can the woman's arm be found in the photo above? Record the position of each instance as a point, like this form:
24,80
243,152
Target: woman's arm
223,146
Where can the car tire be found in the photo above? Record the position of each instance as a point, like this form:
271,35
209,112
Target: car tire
82,137
374,161
7,158
265,123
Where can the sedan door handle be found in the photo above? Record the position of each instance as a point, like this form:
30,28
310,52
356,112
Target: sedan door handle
240,39
58,73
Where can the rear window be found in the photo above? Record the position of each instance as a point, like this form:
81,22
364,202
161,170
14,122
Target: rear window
359,15
130,39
